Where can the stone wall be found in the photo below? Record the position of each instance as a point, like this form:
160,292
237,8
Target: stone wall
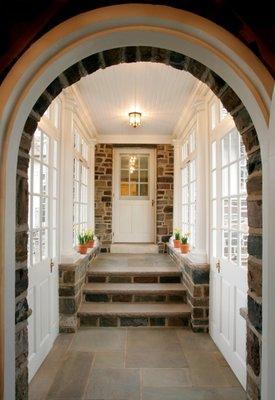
72,277
196,279
244,124
164,195
103,194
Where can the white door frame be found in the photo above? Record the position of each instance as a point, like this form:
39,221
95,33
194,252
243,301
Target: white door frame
134,150
118,26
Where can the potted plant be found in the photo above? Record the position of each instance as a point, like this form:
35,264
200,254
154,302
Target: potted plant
184,245
90,238
82,243
177,239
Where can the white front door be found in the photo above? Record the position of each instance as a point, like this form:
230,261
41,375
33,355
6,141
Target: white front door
229,232
42,248
134,195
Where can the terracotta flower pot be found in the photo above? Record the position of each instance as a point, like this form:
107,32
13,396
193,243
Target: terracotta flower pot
176,243
90,243
184,248
82,248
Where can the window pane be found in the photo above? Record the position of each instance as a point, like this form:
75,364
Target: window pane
37,144
76,213
225,150
192,192
45,149
124,162
184,176
225,243
45,179
234,213
54,182
234,145
243,244
225,213
124,189
36,177
45,211
133,189
36,246
234,179
234,247
134,176
143,176
55,153
214,155
143,189
44,244
36,212
243,176
214,184
185,193
83,194
214,213
54,216
76,191
243,213
225,182
214,242
124,175
192,170
143,162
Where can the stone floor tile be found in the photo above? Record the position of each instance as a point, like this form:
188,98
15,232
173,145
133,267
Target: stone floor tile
72,376
143,340
43,379
166,377
113,384
208,377
201,359
231,394
179,393
99,339
109,359
222,361
230,377
196,341
155,359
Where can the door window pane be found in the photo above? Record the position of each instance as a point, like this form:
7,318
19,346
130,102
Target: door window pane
143,189
133,189
124,189
44,244
124,175
134,168
144,162
144,176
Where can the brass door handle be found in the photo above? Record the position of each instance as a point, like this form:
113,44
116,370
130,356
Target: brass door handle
218,266
153,203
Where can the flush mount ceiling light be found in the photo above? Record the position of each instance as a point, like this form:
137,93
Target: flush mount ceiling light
135,119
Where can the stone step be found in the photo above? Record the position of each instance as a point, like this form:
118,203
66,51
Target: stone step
134,274
135,292
133,314
134,248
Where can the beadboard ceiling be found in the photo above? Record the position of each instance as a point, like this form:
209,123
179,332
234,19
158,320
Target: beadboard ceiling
158,91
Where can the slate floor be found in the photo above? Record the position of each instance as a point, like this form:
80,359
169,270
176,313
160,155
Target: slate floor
135,364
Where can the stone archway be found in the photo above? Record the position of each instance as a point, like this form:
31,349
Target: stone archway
244,125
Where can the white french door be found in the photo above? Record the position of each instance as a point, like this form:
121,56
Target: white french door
228,255
42,248
134,195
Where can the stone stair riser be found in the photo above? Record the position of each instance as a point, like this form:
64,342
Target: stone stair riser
123,321
133,279
135,298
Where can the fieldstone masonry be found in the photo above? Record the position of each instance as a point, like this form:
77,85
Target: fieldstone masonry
196,279
72,277
103,194
165,187
244,125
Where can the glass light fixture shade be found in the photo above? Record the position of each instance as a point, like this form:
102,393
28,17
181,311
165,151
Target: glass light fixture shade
135,119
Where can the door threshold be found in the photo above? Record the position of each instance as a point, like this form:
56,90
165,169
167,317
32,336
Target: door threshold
134,248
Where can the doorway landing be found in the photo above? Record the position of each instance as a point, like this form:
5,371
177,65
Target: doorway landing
134,248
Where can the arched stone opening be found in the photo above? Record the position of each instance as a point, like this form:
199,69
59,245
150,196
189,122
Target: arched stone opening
244,125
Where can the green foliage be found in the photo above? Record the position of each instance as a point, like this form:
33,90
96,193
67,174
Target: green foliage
177,234
89,234
82,238
184,238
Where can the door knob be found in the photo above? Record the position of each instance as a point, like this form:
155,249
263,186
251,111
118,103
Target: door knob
153,203
218,266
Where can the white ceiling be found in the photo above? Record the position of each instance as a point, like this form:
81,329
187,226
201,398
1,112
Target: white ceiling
158,91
